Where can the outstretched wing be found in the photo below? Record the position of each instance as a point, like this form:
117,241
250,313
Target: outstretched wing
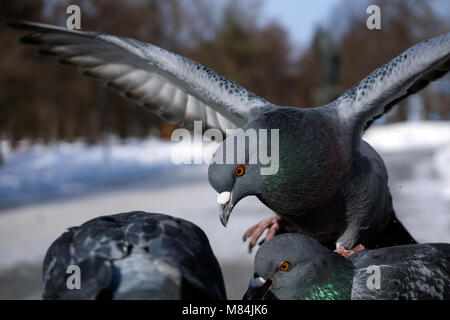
174,87
406,74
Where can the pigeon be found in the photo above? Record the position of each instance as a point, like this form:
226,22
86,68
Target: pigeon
326,181
135,255
292,266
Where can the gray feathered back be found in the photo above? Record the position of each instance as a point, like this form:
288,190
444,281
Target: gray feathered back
97,245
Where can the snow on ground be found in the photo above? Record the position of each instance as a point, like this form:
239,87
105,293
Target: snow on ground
33,172
409,136
417,156
441,162
138,175
413,137
36,172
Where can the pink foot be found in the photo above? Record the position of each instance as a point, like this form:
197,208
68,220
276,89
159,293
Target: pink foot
276,225
347,253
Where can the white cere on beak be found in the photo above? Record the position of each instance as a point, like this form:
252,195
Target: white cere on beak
224,197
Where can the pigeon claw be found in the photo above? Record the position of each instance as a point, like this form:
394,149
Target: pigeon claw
347,253
274,225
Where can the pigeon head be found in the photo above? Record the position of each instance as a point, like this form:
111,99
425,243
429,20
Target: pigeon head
296,267
234,173
292,161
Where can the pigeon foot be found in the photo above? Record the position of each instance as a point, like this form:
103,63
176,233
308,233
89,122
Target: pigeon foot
275,225
347,253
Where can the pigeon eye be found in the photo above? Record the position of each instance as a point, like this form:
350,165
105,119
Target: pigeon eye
239,171
285,266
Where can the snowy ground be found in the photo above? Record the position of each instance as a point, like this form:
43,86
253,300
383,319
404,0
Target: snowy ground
45,190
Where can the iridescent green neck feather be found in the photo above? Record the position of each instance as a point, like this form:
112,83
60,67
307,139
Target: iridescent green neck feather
336,285
331,291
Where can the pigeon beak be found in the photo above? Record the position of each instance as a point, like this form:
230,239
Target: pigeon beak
257,289
224,200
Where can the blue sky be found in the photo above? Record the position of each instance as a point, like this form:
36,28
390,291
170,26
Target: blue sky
299,17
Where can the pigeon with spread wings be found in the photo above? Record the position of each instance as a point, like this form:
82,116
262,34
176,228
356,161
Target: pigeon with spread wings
329,183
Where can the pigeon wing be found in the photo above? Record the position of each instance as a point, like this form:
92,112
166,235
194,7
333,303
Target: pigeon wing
406,272
404,75
174,87
96,273
98,245
185,246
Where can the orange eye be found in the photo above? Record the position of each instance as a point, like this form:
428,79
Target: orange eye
239,171
285,266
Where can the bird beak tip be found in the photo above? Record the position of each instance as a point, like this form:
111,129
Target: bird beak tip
224,215
225,206
224,221
257,289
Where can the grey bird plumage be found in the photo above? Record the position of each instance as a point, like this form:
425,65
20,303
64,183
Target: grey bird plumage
330,183
407,272
134,255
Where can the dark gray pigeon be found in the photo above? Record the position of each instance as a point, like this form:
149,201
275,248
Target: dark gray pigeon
296,267
134,255
327,183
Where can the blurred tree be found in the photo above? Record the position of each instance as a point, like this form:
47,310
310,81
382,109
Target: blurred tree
13,59
403,24
41,100
255,56
327,52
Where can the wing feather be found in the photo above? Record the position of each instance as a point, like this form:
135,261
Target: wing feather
404,75
176,88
